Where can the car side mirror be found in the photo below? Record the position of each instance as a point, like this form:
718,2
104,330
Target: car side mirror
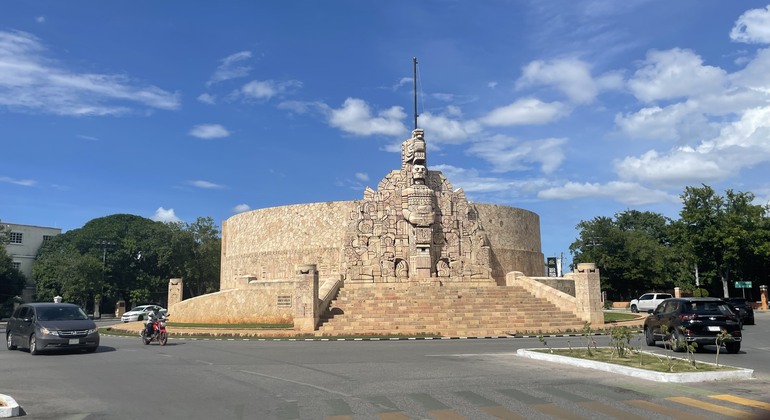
27,319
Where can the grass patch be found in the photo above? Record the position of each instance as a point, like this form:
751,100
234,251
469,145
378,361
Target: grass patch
617,316
638,359
232,326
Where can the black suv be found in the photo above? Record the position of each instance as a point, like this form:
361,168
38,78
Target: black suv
44,326
702,320
745,310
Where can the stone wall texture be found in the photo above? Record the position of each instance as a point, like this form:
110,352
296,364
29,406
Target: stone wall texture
268,244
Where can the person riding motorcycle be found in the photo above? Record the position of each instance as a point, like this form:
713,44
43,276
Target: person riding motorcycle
152,317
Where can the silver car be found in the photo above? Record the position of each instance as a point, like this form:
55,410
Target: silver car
45,326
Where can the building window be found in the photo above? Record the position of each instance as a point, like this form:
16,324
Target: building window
284,301
16,265
16,237
47,238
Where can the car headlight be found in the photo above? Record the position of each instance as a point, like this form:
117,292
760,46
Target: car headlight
91,331
46,331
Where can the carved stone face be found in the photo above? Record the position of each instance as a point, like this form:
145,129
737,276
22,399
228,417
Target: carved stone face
418,172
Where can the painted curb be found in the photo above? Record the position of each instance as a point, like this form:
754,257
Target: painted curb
738,374
10,407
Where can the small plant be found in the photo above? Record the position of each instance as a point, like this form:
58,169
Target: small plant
542,340
620,341
639,349
690,347
668,344
720,339
570,346
587,332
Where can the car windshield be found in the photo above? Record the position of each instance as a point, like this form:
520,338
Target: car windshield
67,313
138,309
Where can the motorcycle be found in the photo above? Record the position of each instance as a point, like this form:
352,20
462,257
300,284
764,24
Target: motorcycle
158,333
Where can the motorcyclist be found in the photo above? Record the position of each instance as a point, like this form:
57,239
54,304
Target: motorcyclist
153,316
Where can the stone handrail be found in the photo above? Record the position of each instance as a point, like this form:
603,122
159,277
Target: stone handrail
562,300
327,291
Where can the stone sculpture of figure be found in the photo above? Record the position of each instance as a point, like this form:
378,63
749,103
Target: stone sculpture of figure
442,268
417,200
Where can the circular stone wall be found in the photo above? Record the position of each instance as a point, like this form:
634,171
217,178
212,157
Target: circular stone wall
267,244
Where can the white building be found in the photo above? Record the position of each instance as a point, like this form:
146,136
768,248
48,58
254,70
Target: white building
24,241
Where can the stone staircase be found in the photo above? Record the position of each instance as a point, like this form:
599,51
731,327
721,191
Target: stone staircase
450,310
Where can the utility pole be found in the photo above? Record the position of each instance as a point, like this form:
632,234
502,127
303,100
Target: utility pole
98,298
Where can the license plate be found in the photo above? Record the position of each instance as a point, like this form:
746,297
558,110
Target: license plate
714,328
74,341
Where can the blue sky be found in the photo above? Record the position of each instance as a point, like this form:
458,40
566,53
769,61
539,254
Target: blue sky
571,109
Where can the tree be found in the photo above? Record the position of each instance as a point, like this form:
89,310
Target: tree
633,252
12,281
198,247
727,235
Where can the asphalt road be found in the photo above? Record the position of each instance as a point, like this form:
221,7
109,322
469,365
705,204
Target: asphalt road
441,379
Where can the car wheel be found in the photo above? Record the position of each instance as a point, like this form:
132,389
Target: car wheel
648,337
9,342
33,345
733,347
634,309
749,321
91,349
139,318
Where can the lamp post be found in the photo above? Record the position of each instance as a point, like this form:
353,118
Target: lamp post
98,298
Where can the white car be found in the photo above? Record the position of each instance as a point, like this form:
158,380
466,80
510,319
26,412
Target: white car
139,313
648,301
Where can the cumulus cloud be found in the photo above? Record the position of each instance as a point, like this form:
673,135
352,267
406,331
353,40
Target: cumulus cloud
508,154
569,75
266,89
445,129
207,98
206,185
166,216
30,81
209,131
752,27
21,182
240,208
629,193
527,111
355,117
675,73
232,67
680,121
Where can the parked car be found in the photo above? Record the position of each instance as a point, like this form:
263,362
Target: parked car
746,311
139,313
648,301
702,319
44,326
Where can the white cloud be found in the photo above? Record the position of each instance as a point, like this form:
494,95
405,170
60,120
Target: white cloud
166,216
22,182
266,89
680,121
444,129
492,85
752,27
209,131
40,19
683,166
527,111
84,137
362,176
508,154
625,192
207,98
675,73
355,117
32,82
206,185
240,208
231,68
568,75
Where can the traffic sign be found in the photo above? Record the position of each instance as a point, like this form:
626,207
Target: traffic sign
743,285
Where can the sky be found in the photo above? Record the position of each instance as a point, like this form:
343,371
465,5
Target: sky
573,110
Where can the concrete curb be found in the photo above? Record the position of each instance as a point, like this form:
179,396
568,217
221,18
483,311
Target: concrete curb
738,374
8,406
